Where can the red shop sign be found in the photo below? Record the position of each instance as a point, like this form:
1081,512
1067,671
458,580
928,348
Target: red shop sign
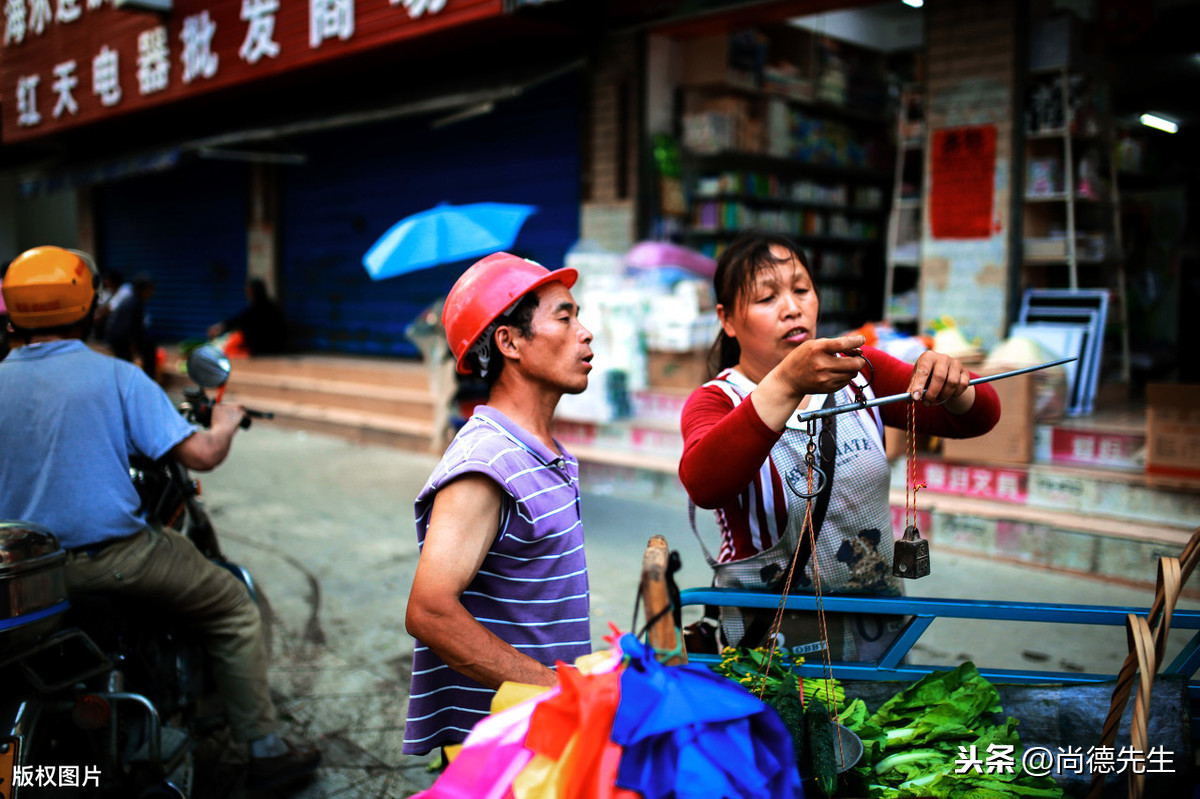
962,174
72,62
984,482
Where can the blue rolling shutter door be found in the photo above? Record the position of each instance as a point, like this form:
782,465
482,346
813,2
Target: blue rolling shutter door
187,229
358,182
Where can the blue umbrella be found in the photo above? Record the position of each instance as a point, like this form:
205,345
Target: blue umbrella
445,234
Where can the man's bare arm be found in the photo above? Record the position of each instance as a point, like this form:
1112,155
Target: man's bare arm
463,524
206,449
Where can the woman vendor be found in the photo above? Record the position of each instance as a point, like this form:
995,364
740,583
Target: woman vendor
744,448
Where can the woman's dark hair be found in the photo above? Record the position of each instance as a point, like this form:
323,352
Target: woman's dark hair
520,317
737,270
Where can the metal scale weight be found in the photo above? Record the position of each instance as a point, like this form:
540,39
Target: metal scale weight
911,557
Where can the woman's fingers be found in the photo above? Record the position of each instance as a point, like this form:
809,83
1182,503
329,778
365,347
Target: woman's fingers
843,344
938,377
817,367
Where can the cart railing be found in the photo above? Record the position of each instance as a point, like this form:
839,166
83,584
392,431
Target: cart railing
922,611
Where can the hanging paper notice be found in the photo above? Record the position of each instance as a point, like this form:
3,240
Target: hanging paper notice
962,174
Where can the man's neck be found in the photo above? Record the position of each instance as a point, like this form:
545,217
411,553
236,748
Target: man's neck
528,406
16,340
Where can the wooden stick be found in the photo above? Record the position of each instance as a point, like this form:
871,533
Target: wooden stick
1120,697
657,601
1141,644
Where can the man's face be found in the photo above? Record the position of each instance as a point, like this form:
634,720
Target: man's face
558,353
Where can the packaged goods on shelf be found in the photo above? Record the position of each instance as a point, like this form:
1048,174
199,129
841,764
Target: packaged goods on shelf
1045,177
709,132
868,197
682,335
1047,247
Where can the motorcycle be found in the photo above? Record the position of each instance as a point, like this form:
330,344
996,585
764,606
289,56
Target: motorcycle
101,695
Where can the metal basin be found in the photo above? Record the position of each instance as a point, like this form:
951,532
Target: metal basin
847,748
33,588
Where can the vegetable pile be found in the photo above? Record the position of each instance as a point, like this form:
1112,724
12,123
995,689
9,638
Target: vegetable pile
915,745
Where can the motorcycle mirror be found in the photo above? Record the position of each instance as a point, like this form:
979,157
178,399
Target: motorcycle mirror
208,366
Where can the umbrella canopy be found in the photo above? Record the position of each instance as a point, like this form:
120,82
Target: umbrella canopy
445,234
687,733
662,254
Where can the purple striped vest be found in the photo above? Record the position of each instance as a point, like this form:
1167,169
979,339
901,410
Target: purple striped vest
532,589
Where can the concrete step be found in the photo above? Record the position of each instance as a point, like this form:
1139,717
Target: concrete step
386,400
388,429
383,401
1061,541
1130,497
388,372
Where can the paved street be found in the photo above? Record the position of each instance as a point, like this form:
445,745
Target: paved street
326,528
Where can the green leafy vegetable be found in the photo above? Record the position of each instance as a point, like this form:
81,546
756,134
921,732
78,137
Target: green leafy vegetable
914,743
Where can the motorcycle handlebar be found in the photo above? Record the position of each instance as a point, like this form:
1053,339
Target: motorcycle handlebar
200,411
252,414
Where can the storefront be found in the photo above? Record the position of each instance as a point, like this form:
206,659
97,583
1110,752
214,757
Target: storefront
948,174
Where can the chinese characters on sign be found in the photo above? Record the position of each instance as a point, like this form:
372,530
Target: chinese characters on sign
1089,448
69,62
199,61
417,8
330,19
962,177
260,32
1009,485
105,67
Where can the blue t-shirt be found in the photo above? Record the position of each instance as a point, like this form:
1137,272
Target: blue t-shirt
70,418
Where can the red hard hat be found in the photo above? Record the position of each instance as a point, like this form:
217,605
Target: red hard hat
485,291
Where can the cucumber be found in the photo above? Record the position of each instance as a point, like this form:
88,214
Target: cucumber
822,759
791,712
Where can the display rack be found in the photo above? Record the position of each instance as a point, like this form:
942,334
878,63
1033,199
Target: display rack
818,175
902,303
1071,206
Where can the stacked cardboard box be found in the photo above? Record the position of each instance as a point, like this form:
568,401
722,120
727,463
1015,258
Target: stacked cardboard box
1173,429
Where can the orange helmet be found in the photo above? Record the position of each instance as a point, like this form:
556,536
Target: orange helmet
483,294
49,287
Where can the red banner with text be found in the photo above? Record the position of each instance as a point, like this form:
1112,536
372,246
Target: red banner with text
72,62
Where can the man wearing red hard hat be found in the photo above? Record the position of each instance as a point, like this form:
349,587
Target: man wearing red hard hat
501,590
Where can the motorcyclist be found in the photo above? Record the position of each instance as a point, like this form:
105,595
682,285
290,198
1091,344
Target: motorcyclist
70,419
